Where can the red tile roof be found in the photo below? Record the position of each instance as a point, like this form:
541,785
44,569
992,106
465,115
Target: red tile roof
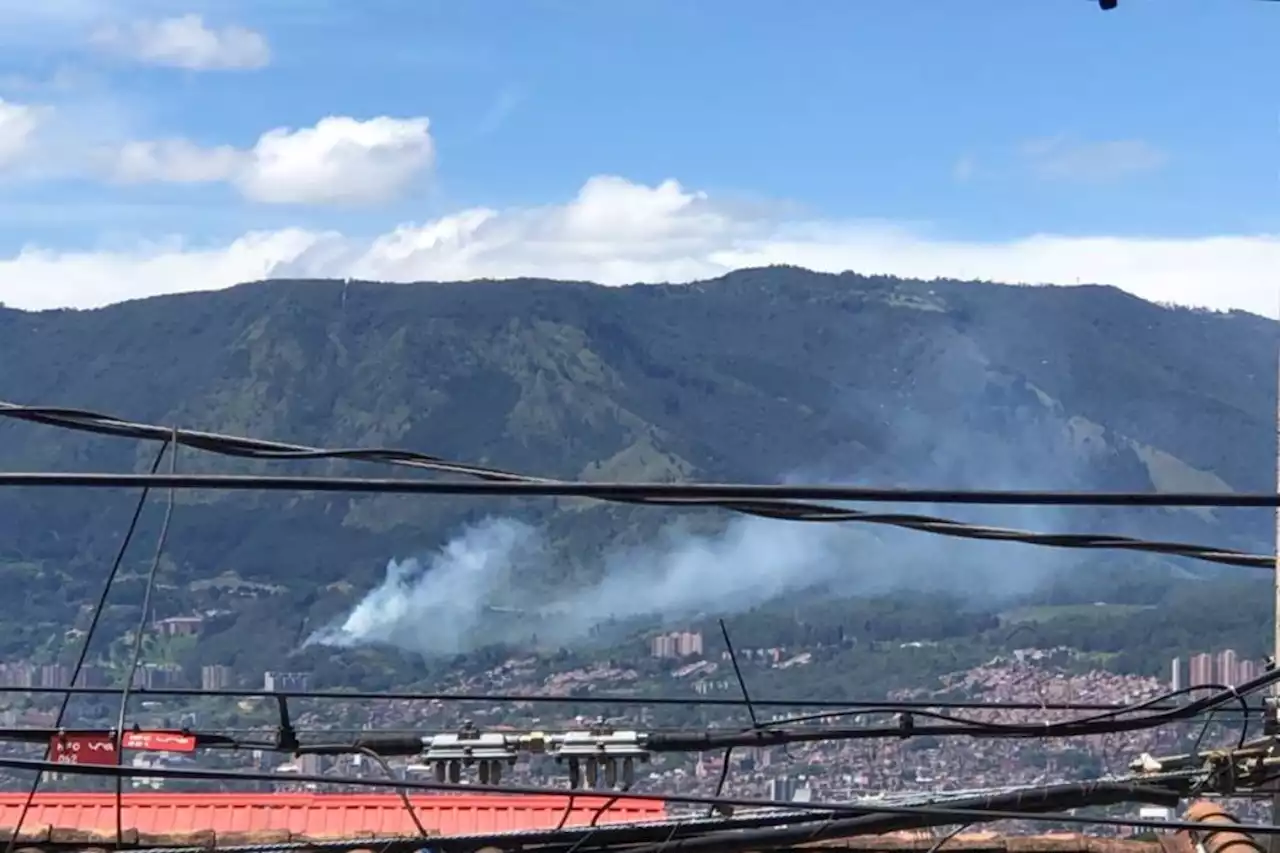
313,815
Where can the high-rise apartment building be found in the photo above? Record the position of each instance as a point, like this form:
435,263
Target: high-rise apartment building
1200,670
215,677
1227,673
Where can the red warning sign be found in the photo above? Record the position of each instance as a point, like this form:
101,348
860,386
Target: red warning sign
101,748
83,749
160,741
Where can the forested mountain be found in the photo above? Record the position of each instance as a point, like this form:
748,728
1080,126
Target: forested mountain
761,375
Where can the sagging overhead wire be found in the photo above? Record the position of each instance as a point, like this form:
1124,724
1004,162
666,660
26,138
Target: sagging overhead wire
738,497
791,503
472,744
843,707
1099,724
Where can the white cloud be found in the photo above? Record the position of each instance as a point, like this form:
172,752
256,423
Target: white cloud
1063,159
175,161
340,160
617,232
185,42
18,126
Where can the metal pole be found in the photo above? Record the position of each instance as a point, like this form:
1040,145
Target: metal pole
1274,840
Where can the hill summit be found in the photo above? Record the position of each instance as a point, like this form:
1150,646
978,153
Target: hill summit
760,375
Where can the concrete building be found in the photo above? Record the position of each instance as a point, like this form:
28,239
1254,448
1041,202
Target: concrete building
178,626
678,644
215,677
1247,670
55,675
1227,672
285,681
1201,670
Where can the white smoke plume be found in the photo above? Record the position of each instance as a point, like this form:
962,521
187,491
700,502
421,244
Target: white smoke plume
437,608
463,597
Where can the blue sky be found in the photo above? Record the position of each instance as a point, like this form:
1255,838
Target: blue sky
967,125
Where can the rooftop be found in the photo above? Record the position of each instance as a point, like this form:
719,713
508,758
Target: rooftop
164,818
58,823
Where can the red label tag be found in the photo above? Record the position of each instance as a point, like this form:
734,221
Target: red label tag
83,749
160,741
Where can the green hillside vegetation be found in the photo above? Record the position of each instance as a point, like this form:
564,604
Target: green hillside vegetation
1047,612
755,376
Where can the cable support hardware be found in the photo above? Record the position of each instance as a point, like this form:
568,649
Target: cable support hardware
605,757
1252,769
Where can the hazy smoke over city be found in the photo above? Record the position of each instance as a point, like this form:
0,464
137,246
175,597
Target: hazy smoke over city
462,595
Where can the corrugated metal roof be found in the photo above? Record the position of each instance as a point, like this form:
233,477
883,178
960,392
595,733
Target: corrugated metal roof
313,815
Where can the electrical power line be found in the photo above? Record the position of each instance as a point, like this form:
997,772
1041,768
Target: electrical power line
840,706
606,748
614,753
776,502
723,496
728,495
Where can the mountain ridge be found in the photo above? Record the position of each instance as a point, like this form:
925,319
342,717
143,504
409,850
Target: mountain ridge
758,375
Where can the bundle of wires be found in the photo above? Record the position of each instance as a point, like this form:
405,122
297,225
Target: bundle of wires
760,501
816,822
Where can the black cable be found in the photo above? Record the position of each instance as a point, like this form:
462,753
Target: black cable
391,744
844,707
609,837
725,762
83,655
731,495
203,740
1156,703
136,657
774,507
941,842
403,792
79,419
1014,805
752,499
1104,723
770,734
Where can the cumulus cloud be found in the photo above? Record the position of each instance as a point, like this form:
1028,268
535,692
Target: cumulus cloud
175,161
341,160
615,231
18,126
185,42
